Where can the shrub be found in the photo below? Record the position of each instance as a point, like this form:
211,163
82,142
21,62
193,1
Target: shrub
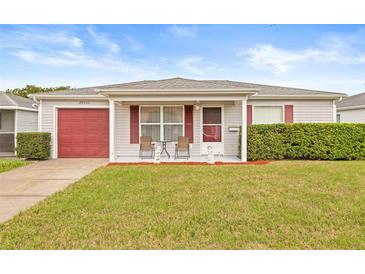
33,145
319,141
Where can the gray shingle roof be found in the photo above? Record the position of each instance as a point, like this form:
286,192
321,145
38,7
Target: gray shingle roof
182,83
10,100
352,101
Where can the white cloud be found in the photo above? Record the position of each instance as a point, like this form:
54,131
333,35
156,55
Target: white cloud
61,38
133,44
331,49
72,59
196,65
267,57
191,64
183,31
26,39
102,40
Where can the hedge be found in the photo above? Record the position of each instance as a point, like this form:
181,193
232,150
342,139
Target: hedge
320,141
33,145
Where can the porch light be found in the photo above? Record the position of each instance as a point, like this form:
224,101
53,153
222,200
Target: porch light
197,106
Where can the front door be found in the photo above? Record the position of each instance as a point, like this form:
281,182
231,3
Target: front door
212,135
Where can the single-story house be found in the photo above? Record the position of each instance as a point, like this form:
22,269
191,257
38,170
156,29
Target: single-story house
17,114
351,109
108,121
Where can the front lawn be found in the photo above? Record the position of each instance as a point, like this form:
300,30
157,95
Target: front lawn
7,164
283,205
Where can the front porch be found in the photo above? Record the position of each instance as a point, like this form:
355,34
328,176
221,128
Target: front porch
208,124
192,159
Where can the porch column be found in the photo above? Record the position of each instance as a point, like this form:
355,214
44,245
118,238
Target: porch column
244,131
111,130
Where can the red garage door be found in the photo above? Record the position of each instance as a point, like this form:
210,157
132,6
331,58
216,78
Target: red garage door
83,133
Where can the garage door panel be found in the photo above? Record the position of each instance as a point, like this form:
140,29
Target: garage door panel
83,133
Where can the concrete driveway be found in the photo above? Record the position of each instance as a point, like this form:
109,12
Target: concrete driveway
23,187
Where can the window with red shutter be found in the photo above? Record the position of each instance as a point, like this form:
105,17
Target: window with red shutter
189,126
249,114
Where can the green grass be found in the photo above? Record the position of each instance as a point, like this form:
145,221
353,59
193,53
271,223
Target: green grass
283,205
7,164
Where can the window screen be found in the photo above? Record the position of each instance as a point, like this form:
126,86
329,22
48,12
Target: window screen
268,115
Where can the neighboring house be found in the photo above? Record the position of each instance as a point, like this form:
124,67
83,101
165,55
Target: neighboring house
352,109
17,114
107,121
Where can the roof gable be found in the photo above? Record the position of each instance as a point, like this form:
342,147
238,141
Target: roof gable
352,101
11,100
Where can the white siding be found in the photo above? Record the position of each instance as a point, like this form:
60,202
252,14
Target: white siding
305,111
122,132
232,118
27,121
48,109
352,116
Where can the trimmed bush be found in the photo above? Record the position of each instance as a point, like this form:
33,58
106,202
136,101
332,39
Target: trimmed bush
316,141
33,145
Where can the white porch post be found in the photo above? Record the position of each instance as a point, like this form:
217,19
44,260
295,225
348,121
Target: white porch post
244,131
334,111
111,130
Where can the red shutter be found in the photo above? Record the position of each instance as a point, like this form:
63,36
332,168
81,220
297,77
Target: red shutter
289,113
249,114
134,124
189,126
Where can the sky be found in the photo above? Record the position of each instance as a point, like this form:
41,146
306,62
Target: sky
322,57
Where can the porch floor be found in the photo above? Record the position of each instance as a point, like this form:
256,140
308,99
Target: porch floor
7,154
165,159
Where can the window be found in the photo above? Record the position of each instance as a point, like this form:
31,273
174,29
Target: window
212,124
162,122
338,118
268,115
0,120
150,122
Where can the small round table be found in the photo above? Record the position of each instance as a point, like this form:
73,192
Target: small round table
164,142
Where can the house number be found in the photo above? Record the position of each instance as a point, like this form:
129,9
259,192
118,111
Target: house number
84,102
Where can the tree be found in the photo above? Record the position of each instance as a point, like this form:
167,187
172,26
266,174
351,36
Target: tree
30,89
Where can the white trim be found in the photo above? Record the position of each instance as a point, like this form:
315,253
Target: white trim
40,116
350,108
55,123
161,123
119,91
15,129
267,105
176,98
111,130
17,108
201,126
69,97
334,111
244,132
321,96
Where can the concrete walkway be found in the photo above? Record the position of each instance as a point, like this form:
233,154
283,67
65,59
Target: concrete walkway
23,187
